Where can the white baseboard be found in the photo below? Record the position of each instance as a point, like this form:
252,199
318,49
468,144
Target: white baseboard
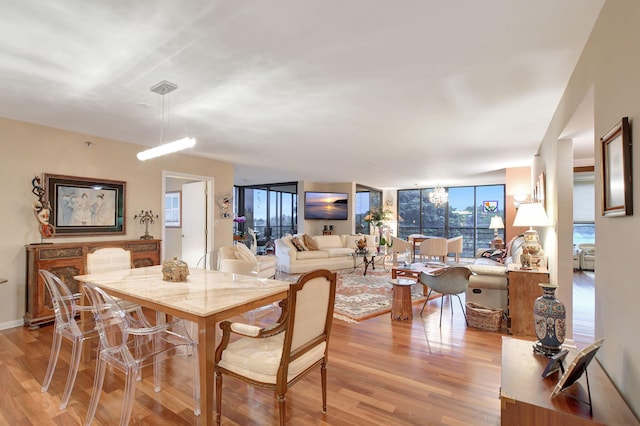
11,324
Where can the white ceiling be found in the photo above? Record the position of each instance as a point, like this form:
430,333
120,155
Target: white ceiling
384,93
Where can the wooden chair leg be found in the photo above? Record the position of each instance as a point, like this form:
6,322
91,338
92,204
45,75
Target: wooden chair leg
218,397
282,409
323,376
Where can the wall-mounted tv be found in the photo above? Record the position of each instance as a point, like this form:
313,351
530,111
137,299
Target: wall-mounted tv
326,205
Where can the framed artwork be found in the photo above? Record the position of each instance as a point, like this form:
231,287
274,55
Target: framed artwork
85,206
173,209
617,184
577,367
490,206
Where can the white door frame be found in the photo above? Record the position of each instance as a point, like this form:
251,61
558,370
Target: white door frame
209,180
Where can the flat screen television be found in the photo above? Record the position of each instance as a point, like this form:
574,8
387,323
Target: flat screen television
326,205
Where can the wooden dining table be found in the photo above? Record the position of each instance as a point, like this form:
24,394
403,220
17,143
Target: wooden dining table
206,298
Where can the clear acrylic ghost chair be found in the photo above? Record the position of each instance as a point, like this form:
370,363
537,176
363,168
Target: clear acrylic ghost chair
109,259
130,355
66,326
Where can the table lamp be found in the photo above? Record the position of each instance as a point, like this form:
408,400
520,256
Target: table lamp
496,223
532,214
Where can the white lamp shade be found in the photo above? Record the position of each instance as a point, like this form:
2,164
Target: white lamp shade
531,214
496,223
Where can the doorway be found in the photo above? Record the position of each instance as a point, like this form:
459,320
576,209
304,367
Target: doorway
581,130
192,240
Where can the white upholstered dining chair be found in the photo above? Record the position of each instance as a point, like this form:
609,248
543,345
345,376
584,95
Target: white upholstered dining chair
277,356
115,259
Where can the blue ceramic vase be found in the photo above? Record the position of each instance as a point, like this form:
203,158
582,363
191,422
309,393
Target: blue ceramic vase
550,321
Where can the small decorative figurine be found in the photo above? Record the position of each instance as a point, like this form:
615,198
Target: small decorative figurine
175,270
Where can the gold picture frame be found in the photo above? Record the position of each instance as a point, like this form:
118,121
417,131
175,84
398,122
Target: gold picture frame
615,162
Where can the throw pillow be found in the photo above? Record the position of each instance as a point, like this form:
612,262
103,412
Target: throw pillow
301,239
497,255
244,253
310,242
297,244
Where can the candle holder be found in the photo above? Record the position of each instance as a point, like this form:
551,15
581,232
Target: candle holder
146,217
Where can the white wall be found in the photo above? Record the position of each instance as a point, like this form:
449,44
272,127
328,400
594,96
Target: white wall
27,149
610,66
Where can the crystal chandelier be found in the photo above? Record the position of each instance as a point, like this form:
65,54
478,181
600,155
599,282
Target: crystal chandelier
438,196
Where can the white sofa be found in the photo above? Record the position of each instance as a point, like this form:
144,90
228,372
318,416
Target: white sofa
333,252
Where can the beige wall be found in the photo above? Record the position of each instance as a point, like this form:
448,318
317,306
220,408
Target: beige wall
518,182
27,149
610,66
314,227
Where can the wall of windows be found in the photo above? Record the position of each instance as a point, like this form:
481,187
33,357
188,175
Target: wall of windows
271,210
468,213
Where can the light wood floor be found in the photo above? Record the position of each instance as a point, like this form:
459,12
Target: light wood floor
380,372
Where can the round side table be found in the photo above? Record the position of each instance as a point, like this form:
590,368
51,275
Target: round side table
401,307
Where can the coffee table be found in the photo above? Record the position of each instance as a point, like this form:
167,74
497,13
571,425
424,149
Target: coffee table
413,272
401,307
368,258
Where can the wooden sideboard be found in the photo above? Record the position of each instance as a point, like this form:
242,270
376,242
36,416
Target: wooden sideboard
525,395
522,292
67,260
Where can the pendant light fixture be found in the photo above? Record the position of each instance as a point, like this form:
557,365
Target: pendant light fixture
162,89
438,196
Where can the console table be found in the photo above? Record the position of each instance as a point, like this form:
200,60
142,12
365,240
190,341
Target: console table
524,394
67,260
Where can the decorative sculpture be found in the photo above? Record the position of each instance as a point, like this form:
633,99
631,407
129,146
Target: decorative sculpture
225,205
175,270
42,210
146,218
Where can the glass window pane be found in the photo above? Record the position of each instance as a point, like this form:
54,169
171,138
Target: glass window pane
362,208
408,212
490,202
432,216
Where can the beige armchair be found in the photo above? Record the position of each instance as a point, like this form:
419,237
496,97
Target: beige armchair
239,259
434,247
454,245
401,250
587,256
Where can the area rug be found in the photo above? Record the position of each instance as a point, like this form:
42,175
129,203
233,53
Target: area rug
360,297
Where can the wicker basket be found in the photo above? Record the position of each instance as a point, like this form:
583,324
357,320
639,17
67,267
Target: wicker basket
483,317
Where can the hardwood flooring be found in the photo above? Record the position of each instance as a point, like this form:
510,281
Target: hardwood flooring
380,372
